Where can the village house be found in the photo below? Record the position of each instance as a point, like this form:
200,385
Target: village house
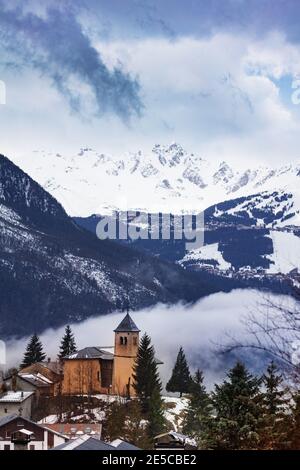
18,402
43,378
97,370
19,433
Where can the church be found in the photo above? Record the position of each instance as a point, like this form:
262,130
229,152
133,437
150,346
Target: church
96,370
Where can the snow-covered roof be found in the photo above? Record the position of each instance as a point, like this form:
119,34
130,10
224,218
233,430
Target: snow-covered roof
15,397
123,445
25,431
35,379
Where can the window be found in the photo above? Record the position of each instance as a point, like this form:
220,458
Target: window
6,447
31,447
5,410
8,435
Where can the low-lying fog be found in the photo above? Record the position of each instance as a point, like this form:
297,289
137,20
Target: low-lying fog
198,328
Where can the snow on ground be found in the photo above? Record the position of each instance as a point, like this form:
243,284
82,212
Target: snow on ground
286,255
174,411
175,408
207,252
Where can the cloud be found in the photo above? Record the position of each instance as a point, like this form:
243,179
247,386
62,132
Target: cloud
55,44
175,18
217,103
199,329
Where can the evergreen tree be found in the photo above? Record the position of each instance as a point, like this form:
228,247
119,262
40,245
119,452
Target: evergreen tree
294,434
145,373
68,345
275,404
238,407
156,413
34,352
148,386
199,412
181,378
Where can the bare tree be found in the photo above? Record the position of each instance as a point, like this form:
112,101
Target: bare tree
274,330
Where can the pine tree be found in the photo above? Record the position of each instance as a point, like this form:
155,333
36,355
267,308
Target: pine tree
275,404
34,352
237,404
294,434
181,378
199,412
145,375
148,386
68,345
156,413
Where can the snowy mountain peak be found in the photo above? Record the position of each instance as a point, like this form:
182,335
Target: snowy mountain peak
168,178
171,155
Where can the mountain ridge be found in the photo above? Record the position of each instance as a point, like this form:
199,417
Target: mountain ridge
168,179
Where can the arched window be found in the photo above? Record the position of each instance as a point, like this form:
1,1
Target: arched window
123,340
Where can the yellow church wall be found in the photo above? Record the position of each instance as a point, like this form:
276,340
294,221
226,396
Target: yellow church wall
126,348
123,369
82,377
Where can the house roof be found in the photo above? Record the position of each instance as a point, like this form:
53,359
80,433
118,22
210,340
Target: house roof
15,397
73,430
7,419
127,325
38,380
53,366
85,443
123,445
92,352
178,437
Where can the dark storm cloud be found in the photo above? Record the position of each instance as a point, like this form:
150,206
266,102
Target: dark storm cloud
56,45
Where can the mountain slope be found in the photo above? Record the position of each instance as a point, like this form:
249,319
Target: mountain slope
53,272
167,179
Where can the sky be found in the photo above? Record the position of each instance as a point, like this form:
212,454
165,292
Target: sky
219,77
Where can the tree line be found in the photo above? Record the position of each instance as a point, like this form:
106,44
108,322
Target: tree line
244,411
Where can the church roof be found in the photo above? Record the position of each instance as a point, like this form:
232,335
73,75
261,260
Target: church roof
127,325
92,352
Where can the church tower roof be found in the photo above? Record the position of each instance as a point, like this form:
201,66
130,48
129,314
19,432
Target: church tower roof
127,325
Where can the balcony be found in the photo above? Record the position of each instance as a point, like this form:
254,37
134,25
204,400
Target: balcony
21,437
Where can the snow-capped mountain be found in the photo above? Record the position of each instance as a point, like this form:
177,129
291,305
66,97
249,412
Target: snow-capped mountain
167,179
53,272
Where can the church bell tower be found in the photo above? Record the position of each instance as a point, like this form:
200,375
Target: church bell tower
125,353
